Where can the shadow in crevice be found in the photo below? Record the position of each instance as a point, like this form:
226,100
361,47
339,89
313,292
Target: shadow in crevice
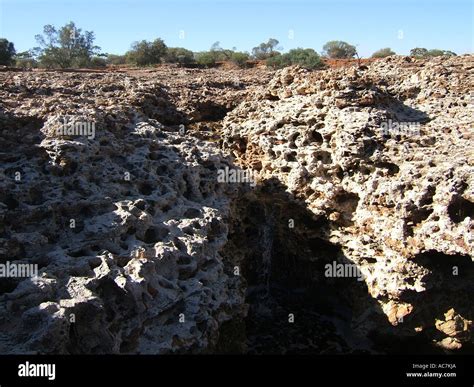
450,285
404,113
294,308
460,208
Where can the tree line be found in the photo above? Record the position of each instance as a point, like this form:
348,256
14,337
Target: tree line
70,47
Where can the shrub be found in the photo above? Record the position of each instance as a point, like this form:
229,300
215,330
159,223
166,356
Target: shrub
7,51
146,53
278,61
206,58
179,55
98,62
437,52
423,52
66,47
420,52
337,49
239,58
383,53
25,60
304,57
113,59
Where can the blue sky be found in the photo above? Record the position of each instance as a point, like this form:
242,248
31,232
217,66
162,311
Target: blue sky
369,24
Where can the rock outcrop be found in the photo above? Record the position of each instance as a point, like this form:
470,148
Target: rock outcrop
141,249
125,222
399,200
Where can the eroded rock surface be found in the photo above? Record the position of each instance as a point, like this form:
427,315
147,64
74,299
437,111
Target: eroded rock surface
126,227
138,243
399,204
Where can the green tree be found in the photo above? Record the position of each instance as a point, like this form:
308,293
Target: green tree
216,49
449,53
265,50
98,62
438,52
421,52
383,52
337,49
179,55
7,51
206,58
66,47
239,58
304,57
221,54
25,60
146,53
113,59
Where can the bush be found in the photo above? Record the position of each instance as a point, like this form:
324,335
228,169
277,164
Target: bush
98,62
66,47
206,58
219,53
278,61
25,60
304,57
239,58
7,51
437,52
179,55
113,59
146,53
383,53
420,52
336,49
423,52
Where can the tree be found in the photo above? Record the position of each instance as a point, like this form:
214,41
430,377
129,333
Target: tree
449,53
265,50
146,53
179,55
239,58
113,59
219,53
98,62
304,57
383,52
337,49
421,52
438,52
25,60
66,47
206,58
7,51
216,47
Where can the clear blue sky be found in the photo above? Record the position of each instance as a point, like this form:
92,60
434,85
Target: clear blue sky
369,24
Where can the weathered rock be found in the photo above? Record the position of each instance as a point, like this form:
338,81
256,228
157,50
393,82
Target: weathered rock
137,242
122,223
399,204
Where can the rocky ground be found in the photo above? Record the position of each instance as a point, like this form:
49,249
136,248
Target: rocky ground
141,249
